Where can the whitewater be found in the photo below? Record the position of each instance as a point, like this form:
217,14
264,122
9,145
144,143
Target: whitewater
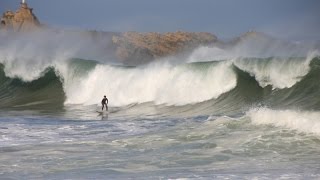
242,113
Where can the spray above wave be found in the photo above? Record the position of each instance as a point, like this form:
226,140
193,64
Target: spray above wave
278,64
253,45
27,60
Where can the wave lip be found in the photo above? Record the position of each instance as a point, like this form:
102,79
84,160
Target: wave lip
277,72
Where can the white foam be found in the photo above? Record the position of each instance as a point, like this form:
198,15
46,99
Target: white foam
278,72
26,56
303,121
161,83
281,72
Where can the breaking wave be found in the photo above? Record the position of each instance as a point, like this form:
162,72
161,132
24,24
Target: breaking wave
302,121
241,82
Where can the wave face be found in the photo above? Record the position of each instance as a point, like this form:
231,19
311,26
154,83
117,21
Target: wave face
45,91
207,86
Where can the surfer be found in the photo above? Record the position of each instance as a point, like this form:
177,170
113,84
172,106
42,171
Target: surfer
105,102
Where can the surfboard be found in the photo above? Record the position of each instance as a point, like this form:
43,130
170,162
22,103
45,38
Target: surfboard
102,112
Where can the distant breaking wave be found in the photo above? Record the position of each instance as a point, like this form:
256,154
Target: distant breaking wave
302,121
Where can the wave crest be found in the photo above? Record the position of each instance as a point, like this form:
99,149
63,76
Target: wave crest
303,121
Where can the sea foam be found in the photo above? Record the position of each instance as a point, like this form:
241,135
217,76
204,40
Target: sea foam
161,83
302,121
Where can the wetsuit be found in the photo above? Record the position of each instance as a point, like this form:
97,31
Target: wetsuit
103,102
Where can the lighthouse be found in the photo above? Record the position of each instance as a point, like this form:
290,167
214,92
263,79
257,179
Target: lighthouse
24,5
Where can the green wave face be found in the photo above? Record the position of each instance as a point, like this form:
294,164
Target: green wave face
45,92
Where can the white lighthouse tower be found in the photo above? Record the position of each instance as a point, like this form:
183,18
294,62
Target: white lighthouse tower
24,4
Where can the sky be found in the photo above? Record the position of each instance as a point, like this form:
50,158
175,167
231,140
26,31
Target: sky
290,19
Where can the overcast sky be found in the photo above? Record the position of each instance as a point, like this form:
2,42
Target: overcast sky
295,19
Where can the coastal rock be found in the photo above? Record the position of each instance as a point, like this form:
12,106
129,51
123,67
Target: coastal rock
23,20
131,46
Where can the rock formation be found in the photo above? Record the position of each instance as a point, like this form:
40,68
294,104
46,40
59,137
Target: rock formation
130,47
147,46
21,21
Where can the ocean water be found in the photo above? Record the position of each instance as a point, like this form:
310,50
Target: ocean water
200,118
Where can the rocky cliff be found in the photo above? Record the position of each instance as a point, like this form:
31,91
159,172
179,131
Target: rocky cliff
140,47
23,20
